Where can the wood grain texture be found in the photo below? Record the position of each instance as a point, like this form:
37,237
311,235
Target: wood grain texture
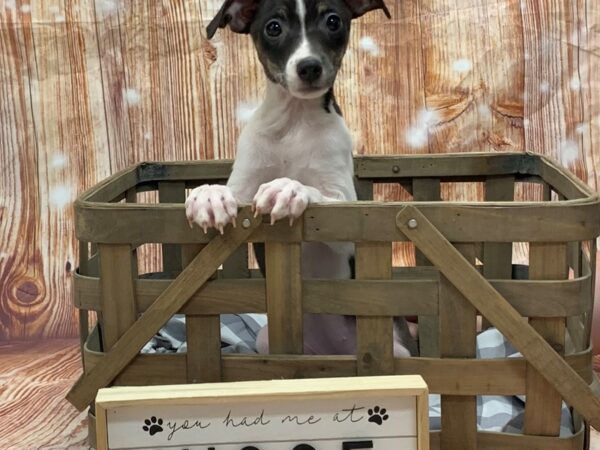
283,288
427,189
497,258
458,335
86,89
50,367
357,297
203,355
447,377
170,301
501,314
374,334
171,254
34,379
203,336
117,292
546,261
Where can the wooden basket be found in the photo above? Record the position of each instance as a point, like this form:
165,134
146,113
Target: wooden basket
447,289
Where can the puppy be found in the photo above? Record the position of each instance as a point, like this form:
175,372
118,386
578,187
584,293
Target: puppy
296,149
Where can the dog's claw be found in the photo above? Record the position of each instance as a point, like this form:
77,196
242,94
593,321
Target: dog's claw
211,207
282,198
234,222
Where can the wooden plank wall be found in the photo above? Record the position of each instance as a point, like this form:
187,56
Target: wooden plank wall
88,87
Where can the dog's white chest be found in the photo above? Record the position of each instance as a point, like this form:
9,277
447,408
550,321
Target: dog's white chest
298,141
310,146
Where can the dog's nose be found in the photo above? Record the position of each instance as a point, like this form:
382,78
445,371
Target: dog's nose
310,69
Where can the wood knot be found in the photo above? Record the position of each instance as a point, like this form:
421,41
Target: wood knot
27,292
367,358
209,51
24,300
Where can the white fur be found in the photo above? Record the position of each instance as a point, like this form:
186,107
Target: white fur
245,111
290,154
297,139
299,152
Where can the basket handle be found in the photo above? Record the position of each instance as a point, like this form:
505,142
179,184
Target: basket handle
168,303
495,308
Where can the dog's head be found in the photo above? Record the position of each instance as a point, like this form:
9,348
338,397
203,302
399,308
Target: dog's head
300,43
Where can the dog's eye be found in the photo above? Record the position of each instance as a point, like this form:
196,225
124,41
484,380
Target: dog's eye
334,22
273,28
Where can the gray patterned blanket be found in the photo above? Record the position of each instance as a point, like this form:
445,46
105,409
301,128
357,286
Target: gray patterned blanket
494,413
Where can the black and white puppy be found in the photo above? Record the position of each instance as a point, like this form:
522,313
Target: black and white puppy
296,149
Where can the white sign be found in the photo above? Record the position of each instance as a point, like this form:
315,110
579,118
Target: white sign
380,413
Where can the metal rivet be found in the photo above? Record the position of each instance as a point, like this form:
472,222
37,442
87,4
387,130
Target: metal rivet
412,224
246,223
396,169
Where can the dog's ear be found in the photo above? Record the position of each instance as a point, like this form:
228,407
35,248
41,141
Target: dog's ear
238,14
360,7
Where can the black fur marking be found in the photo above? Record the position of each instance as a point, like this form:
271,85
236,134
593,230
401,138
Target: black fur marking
274,53
259,252
360,7
329,101
243,14
329,47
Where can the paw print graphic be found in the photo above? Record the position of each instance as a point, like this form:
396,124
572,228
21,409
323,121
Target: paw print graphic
378,415
153,426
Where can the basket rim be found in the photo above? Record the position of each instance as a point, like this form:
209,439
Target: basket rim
575,218
380,167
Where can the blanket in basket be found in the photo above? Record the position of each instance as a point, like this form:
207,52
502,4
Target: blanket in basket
494,413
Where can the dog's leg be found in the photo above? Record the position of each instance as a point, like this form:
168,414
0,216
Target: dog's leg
404,344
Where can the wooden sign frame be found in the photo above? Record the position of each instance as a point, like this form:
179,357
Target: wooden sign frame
120,404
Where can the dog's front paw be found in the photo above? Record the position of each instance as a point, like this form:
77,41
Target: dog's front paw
211,206
281,198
